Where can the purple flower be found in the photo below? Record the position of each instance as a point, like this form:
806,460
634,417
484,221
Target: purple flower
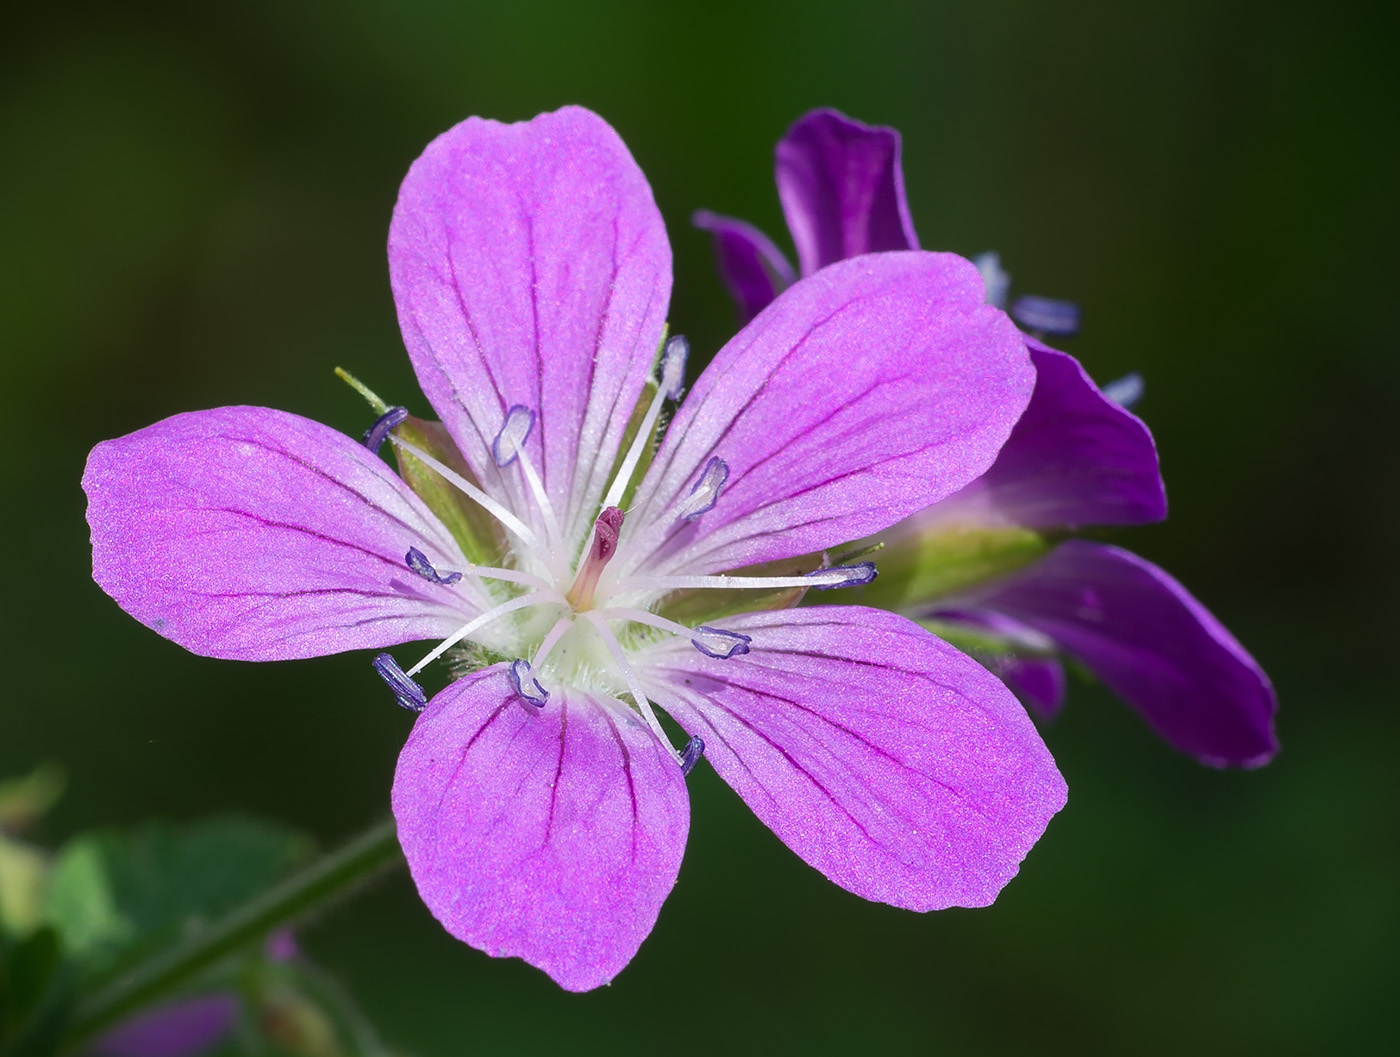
182,1028
1076,458
541,806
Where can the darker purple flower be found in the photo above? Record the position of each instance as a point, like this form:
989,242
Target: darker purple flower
1076,458
181,1028
540,804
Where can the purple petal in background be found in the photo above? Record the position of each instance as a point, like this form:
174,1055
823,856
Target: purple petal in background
894,764
753,270
1074,458
179,1029
1037,681
253,534
551,834
842,189
530,266
862,394
1151,643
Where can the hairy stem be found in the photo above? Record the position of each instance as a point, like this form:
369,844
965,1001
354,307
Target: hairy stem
322,882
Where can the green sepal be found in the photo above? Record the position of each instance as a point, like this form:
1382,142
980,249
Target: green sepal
980,643
476,532
702,605
919,569
634,425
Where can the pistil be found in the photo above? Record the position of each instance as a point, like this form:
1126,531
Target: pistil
604,546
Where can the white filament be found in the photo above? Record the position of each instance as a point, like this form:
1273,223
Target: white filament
634,686
472,492
476,623
834,577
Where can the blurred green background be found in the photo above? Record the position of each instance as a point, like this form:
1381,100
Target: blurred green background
196,200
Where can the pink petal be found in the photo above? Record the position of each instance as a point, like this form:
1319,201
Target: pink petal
254,534
862,394
550,835
530,266
894,764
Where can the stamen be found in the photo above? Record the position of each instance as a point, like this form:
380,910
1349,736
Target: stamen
705,493
821,579
673,367
374,436
855,575
407,693
712,642
418,562
996,281
472,492
1126,391
522,677
556,633
535,599
690,756
509,446
672,376
508,443
720,644
634,686
1045,314
605,533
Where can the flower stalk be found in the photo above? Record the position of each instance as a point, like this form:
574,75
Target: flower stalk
329,878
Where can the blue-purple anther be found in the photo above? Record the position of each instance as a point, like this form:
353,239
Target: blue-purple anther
853,576
408,693
1126,391
506,447
720,644
690,756
673,366
995,279
418,562
1048,316
522,677
374,436
705,494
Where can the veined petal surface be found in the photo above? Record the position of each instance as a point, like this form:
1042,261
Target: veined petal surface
842,189
551,835
861,395
753,270
530,266
1151,643
894,764
254,534
1075,458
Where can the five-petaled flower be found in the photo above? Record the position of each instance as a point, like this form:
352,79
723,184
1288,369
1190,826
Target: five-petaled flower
540,804
978,565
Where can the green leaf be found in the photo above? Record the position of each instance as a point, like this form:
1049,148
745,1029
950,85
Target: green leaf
36,993
24,872
114,896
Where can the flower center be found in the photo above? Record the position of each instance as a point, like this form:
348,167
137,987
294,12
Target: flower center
572,637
